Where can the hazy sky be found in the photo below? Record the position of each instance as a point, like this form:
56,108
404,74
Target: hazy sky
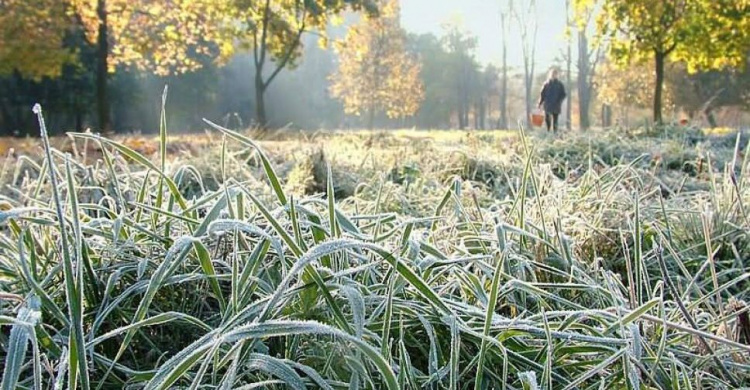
482,18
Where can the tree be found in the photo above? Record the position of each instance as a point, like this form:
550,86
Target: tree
273,30
149,35
528,28
589,56
705,34
462,65
437,78
455,86
375,72
504,24
628,87
32,34
588,60
568,61
704,92
487,88
28,52
717,37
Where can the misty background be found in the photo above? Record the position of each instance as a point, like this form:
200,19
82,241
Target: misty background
300,97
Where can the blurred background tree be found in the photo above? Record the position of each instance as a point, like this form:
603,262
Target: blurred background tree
375,73
703,34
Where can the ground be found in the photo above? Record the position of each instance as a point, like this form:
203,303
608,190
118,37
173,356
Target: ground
416,237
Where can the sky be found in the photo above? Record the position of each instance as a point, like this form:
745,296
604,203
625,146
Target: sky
482,18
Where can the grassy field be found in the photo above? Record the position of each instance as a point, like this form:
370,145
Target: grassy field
377,260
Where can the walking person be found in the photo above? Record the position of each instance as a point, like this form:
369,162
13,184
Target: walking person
552,96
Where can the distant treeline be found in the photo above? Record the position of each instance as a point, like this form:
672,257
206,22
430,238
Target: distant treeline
299,97
224,94
103,65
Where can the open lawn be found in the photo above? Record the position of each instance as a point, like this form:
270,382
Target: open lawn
393,259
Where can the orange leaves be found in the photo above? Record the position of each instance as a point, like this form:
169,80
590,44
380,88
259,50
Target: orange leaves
375,72
159,36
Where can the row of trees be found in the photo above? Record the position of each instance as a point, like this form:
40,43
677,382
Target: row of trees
436,80
45,38
224,55
699,50
383,73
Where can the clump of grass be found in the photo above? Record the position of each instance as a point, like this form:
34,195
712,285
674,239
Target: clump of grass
222,277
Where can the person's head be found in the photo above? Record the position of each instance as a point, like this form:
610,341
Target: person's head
553,73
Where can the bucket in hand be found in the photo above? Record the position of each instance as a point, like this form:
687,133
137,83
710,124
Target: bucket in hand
537,118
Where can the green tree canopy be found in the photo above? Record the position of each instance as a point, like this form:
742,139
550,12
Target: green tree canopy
704,34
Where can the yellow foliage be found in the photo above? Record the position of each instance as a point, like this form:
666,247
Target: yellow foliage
631,86
157,36
375,73
705,34
31,38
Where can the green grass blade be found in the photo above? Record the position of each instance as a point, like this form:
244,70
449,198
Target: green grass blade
632,316
140,159
77,356
596,370
267,166
494,290
20,335
278,368
208,268
159,319
331,194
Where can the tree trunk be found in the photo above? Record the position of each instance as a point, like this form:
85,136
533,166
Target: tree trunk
482,114
462,103
260,102
504,85
461,109
479,114
710,118
5,121
528,84
102,68
79,119
659,59
606,115
371,118
504,96
584,86
465,95
7,126
569,105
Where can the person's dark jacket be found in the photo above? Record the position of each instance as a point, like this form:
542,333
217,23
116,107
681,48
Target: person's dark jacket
552,96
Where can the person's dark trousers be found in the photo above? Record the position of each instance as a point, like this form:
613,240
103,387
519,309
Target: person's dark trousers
551,117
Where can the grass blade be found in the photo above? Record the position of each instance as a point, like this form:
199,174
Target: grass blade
78,365
494,289
20,336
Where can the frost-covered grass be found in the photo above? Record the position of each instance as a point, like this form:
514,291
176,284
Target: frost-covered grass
407,260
